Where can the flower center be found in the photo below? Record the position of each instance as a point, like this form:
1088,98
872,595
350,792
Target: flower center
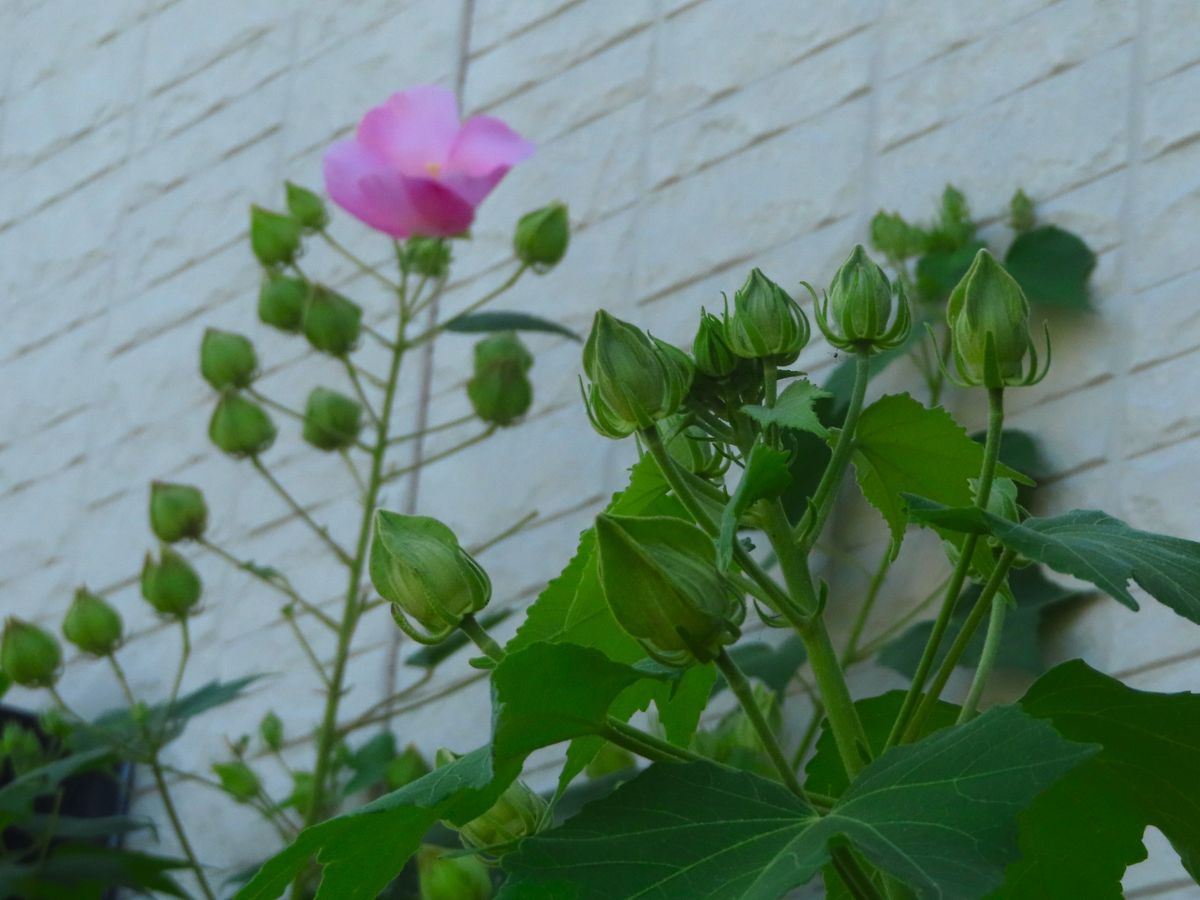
433,168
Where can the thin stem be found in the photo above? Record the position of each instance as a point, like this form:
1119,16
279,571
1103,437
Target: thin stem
358,389
449,451
309,653
273,404
821,504
364,267
633,733
184,653
898,625
491,295
864,611
479,636
516,528
991,455
987,659
353,469
433,429
277,581
379,338
737,682
122,680
177,826
301,512
386,713
852,875
990,590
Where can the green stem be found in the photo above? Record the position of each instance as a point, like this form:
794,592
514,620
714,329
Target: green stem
515,528
479,636
432,429
852,875
363,266
990,591
184,653
736,679
821,504
491,295
177,826
300,511
358,390
278,582
987,659
864,612
449,451
991,455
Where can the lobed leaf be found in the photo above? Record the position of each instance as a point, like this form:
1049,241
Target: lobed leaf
795,409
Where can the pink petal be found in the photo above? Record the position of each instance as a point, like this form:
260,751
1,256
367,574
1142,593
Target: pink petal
442,211
361,183
484,145
414,129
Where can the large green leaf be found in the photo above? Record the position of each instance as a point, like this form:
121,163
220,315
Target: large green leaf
1079,836
572,610
939,814
1052,266
1091,545
795,409
1020,642
506,321
84,871
765,476
901,444
363,850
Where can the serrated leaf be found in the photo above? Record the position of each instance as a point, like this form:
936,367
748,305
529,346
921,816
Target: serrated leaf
773,666
363,850
766,475
1020,643
939,814
794,409
900,443
1052,266
1078,838
1093,546
505,321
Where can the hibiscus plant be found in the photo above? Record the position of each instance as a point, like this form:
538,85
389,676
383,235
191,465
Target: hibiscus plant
723,528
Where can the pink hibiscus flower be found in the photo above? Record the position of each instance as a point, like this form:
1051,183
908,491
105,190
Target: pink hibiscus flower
413,169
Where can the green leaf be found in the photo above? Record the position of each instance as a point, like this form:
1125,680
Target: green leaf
548,693
82,871
572,610
794,409
938,271
766,475
1093,546
505,321
939,814
773,666
1020,642
370,762
901,444
1079,836
363,850
1052,266
16,797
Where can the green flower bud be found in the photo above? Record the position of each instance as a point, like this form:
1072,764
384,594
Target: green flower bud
660,579
448,877
92,625
426,256
331,322
332,421
635,380
54,722
227,359
542,236
735,741
306,207
518,812
858,307
1021,215
21,749
274,237
691,448
609,760
499,391
29,656
418,566
710,350
405,768
281,301
238,779
240,427
270,729
989,327
766,323
170,585
177,511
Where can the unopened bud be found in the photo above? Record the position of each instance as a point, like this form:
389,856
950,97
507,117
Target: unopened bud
499,390
331,322
428,257
281,301
332,421
227,359
766,323
240,427
177,511
274,237
660,579
238,780
270,729
445,876
857,313
692,448
92,625
29,655
306,207
542,235
710,350
518,812
418,566
170,584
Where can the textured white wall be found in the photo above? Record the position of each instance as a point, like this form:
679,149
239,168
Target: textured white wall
691,139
